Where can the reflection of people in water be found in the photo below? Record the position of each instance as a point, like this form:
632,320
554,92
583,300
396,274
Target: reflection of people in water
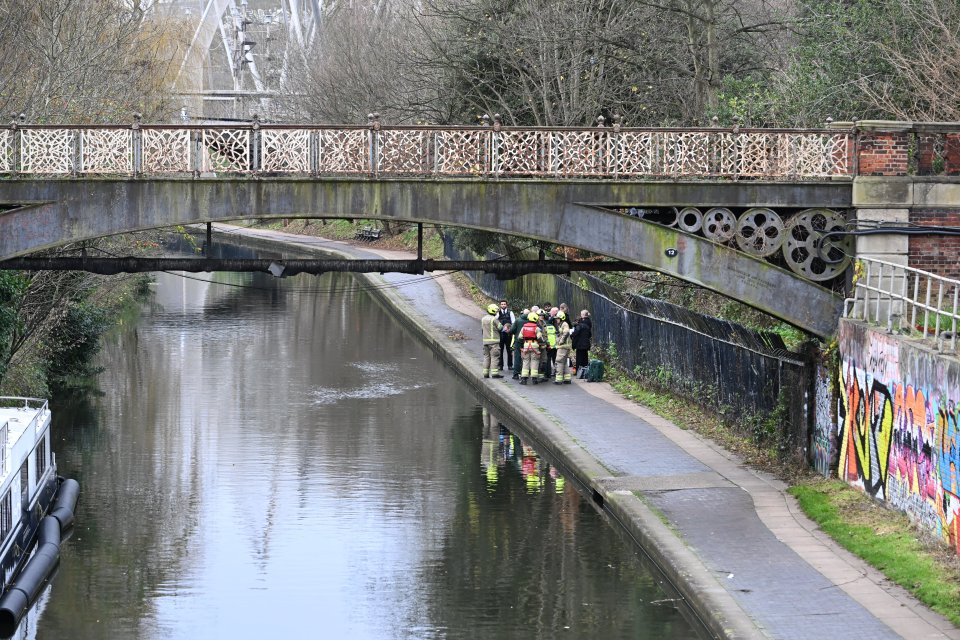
490,450
530,468
498,446
558,482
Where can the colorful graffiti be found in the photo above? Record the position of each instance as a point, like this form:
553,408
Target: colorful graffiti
824,441
898,433
866,416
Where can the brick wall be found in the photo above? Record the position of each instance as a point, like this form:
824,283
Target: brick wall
883,154
936,254
952,154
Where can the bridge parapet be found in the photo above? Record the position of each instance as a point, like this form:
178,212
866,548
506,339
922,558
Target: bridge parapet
900,148
456,152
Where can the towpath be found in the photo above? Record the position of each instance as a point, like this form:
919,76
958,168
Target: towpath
736,545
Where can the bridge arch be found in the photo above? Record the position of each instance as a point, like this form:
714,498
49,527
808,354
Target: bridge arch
566,212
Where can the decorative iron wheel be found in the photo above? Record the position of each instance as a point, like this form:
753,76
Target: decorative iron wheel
690,219
719,224
804,250
760,232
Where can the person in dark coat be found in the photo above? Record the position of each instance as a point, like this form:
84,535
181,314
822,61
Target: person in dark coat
581,335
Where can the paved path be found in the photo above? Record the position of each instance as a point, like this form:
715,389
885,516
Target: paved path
751,564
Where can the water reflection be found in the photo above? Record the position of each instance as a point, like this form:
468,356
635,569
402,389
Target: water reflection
280,459
528,556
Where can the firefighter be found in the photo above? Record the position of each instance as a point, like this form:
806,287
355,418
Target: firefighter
563,350
490,327
549,328
532,339
517,343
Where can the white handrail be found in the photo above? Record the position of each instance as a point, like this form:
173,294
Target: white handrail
905,300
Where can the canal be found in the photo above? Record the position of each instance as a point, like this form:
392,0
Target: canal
268,458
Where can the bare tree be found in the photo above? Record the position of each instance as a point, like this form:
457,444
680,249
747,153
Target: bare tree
82,60
355,67
923,52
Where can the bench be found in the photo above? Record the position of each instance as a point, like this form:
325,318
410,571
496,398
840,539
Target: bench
367,234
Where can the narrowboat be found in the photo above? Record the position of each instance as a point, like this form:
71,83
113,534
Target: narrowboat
36,506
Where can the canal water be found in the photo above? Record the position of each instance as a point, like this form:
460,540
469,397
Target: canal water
270,458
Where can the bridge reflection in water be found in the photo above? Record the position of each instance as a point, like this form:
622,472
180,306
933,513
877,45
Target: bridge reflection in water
273,457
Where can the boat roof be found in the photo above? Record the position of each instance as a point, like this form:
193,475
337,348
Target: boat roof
18,413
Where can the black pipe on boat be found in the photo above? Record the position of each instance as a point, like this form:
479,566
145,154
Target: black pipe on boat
66,503
30,581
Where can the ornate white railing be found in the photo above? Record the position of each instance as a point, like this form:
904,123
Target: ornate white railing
905,299
603,152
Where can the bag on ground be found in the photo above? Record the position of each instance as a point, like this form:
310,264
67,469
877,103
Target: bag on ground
595,371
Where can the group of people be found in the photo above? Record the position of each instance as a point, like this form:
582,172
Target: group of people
541,343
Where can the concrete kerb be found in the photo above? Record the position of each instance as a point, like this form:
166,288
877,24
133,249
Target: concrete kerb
710,602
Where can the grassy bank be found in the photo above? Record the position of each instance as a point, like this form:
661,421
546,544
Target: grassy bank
886,540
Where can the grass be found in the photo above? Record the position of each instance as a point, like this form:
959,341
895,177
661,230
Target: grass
886,540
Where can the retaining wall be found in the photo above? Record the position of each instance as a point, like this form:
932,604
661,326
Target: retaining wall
896,426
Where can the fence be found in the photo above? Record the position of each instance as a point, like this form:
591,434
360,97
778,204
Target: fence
717,363
906,300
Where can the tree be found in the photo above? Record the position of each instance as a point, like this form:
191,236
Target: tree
859,59
83,61
536,62
922,52
71,61
356,66
35,306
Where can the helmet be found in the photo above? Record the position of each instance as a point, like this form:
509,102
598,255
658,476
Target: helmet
533,317
561,316
492,309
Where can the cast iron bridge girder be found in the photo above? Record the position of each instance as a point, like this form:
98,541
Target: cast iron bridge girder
504,269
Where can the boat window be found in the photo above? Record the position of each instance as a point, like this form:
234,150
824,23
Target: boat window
41,451
6,516
24,483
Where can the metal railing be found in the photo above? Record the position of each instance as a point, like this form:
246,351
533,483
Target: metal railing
373,151
905,299
4,437
38,405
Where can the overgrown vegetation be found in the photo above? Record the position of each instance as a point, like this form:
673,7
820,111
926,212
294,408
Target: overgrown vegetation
654,392
652,62
50,328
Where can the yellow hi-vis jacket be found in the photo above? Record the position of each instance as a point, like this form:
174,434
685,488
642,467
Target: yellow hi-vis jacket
563,336
491,329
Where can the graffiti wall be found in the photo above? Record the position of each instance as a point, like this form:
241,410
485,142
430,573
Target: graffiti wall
823,445
897,426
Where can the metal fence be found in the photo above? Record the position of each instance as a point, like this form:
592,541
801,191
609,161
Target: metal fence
491,151
747,375
906,300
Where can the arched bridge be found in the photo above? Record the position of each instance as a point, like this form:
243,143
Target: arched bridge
566,186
